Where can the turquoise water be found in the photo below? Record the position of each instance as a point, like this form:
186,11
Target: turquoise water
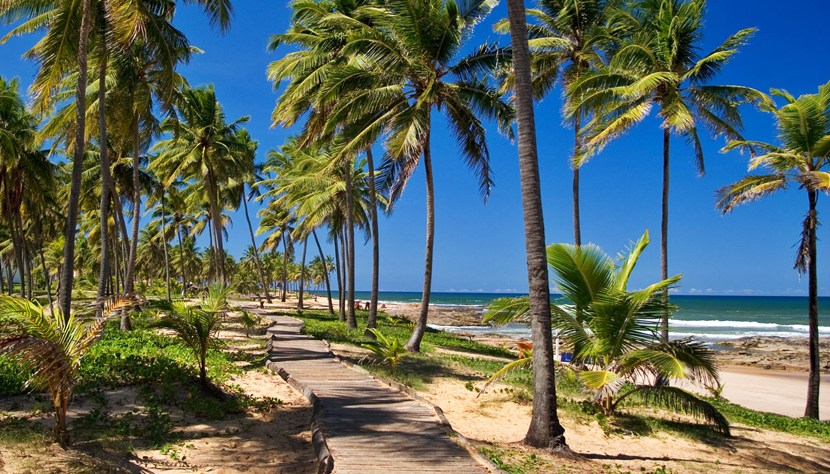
710,318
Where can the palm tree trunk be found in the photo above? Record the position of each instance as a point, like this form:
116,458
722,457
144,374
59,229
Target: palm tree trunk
216,220
68,274
302,275
129,281
372,322
577,224
121,223
106,184
664,237
351,320
284,265
45,278
414,344
811,410
325,272
545,430
10,274
2,278
341,301
256,252
29,275
16,243
164,246
181,260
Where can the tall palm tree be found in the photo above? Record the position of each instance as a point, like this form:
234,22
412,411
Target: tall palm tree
802,159
393,91
17,144
657,64
248,150
202,150
567,40
545,429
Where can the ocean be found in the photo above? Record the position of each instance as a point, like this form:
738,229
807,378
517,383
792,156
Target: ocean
708,318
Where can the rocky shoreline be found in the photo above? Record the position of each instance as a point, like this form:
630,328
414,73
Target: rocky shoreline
762,352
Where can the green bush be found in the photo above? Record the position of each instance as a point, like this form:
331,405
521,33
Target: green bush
124,358
13,376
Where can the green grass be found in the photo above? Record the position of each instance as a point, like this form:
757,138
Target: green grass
770,421
324,326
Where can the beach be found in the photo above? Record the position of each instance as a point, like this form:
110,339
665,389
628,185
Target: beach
765,373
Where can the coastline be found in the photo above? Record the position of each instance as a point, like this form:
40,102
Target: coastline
765,373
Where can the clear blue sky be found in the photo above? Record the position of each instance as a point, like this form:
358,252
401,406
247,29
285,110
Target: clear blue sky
480,247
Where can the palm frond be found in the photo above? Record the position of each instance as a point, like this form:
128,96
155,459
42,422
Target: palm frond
679,400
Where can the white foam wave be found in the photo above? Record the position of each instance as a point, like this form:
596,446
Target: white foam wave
762,328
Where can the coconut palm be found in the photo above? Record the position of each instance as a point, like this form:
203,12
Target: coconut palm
802,159
248,150
614,332
657,64
52,345
393,91
545,429
202,150
567,40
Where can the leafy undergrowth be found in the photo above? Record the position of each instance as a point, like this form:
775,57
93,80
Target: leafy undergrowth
136,390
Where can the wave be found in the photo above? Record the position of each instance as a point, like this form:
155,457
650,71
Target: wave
761,327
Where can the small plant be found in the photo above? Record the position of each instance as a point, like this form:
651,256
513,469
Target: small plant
250,321
387,349
52,346
198,326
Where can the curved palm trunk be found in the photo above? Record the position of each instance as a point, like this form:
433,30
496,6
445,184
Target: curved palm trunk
68,273
216,221
302,275
164,247
545,429
106,185
373,214
256,252
575,187
414,343
129,279
341,302
664,237
811,410
325,270
351,319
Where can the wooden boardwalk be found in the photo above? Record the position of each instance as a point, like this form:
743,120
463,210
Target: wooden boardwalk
360,424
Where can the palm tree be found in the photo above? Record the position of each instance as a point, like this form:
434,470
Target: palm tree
567,41
803,125
20,164
53,344
545,429
248,149
657,64
198,326
614,333
201,150
394,89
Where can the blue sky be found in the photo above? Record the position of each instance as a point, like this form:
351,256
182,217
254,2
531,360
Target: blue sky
480,247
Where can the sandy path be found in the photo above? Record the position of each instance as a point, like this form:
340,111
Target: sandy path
779,392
